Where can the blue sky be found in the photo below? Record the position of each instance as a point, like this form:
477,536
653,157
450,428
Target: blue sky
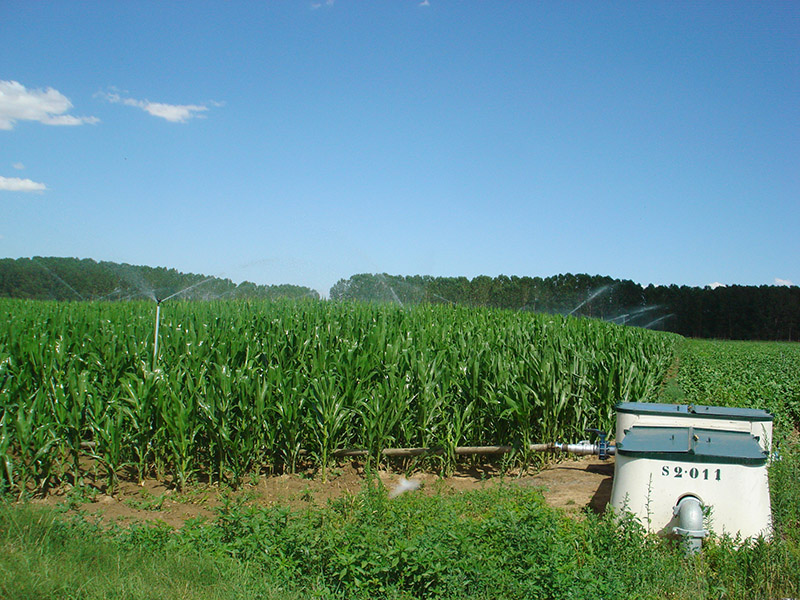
306,141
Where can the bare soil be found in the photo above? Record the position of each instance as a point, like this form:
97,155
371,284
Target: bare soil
574,485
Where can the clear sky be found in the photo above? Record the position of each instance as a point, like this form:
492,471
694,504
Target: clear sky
303,141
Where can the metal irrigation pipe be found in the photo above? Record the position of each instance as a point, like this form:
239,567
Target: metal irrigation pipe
155,345
581,449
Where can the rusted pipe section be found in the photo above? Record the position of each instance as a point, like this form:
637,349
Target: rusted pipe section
580,449
459,450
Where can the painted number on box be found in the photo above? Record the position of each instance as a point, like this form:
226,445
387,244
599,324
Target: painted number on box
693,473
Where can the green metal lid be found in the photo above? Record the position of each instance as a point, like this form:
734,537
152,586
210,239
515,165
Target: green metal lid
692,444
695,410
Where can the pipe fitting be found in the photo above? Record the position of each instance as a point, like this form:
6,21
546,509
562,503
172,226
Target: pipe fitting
603,449
689,511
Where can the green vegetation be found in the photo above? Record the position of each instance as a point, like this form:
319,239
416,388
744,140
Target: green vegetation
755,375
54,278
726,312
747,374
245,386
503,542
77,379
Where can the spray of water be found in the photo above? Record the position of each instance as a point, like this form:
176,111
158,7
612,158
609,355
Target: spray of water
158,315
594,295
137,294
403,486
391,291
440,297
633,314
117,291
132,276
186,289
658,320
645,309
421,293
57,278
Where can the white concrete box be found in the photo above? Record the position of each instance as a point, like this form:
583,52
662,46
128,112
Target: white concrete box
658,465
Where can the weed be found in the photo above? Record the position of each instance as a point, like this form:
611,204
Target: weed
77,496
146,501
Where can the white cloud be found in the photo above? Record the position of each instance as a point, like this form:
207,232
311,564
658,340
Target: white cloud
779,281
16,184
175,113
424,3
18,166
716,284
17,103
172,112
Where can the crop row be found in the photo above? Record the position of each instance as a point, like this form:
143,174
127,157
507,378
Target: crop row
763,375
239,386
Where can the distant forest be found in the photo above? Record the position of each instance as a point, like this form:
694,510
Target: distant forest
56,278
726,312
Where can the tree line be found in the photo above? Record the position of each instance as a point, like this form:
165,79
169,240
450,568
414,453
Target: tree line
56,278
725,312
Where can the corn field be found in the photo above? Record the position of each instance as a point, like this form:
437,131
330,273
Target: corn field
244,387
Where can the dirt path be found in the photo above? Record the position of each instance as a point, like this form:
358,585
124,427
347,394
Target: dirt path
572,485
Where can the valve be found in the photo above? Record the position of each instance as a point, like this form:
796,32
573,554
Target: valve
604,449
601,448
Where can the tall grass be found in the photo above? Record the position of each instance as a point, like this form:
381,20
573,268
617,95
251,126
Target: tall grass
500,542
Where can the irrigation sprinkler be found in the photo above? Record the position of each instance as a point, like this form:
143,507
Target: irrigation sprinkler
158,314
155,343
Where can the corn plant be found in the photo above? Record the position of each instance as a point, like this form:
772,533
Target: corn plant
379,415
141,403
36,445
244,386
329,419
6,464
109,424
289,406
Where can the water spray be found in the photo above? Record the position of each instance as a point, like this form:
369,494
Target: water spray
186,289
391,290
633,315
658,320
594,295
57,278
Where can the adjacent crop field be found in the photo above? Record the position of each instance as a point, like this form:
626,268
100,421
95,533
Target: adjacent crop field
762,375
239,387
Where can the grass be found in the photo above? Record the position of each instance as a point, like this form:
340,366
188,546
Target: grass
45,556
501,542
